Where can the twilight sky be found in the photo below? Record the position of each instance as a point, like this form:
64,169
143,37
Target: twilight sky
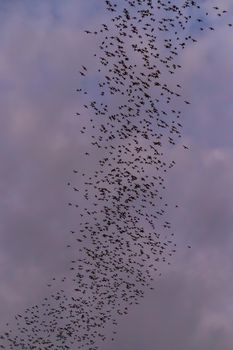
41,49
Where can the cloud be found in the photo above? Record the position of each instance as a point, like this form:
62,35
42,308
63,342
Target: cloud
39,148
40,53
190,305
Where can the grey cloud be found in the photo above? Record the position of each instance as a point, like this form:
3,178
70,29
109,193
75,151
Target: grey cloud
40,146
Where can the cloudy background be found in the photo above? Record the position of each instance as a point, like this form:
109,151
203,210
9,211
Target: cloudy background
41,49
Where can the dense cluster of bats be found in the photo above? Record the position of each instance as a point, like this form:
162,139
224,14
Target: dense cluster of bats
124,232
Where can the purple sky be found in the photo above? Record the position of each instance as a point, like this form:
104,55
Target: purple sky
41,50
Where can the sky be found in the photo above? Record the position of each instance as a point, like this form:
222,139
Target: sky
41,50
